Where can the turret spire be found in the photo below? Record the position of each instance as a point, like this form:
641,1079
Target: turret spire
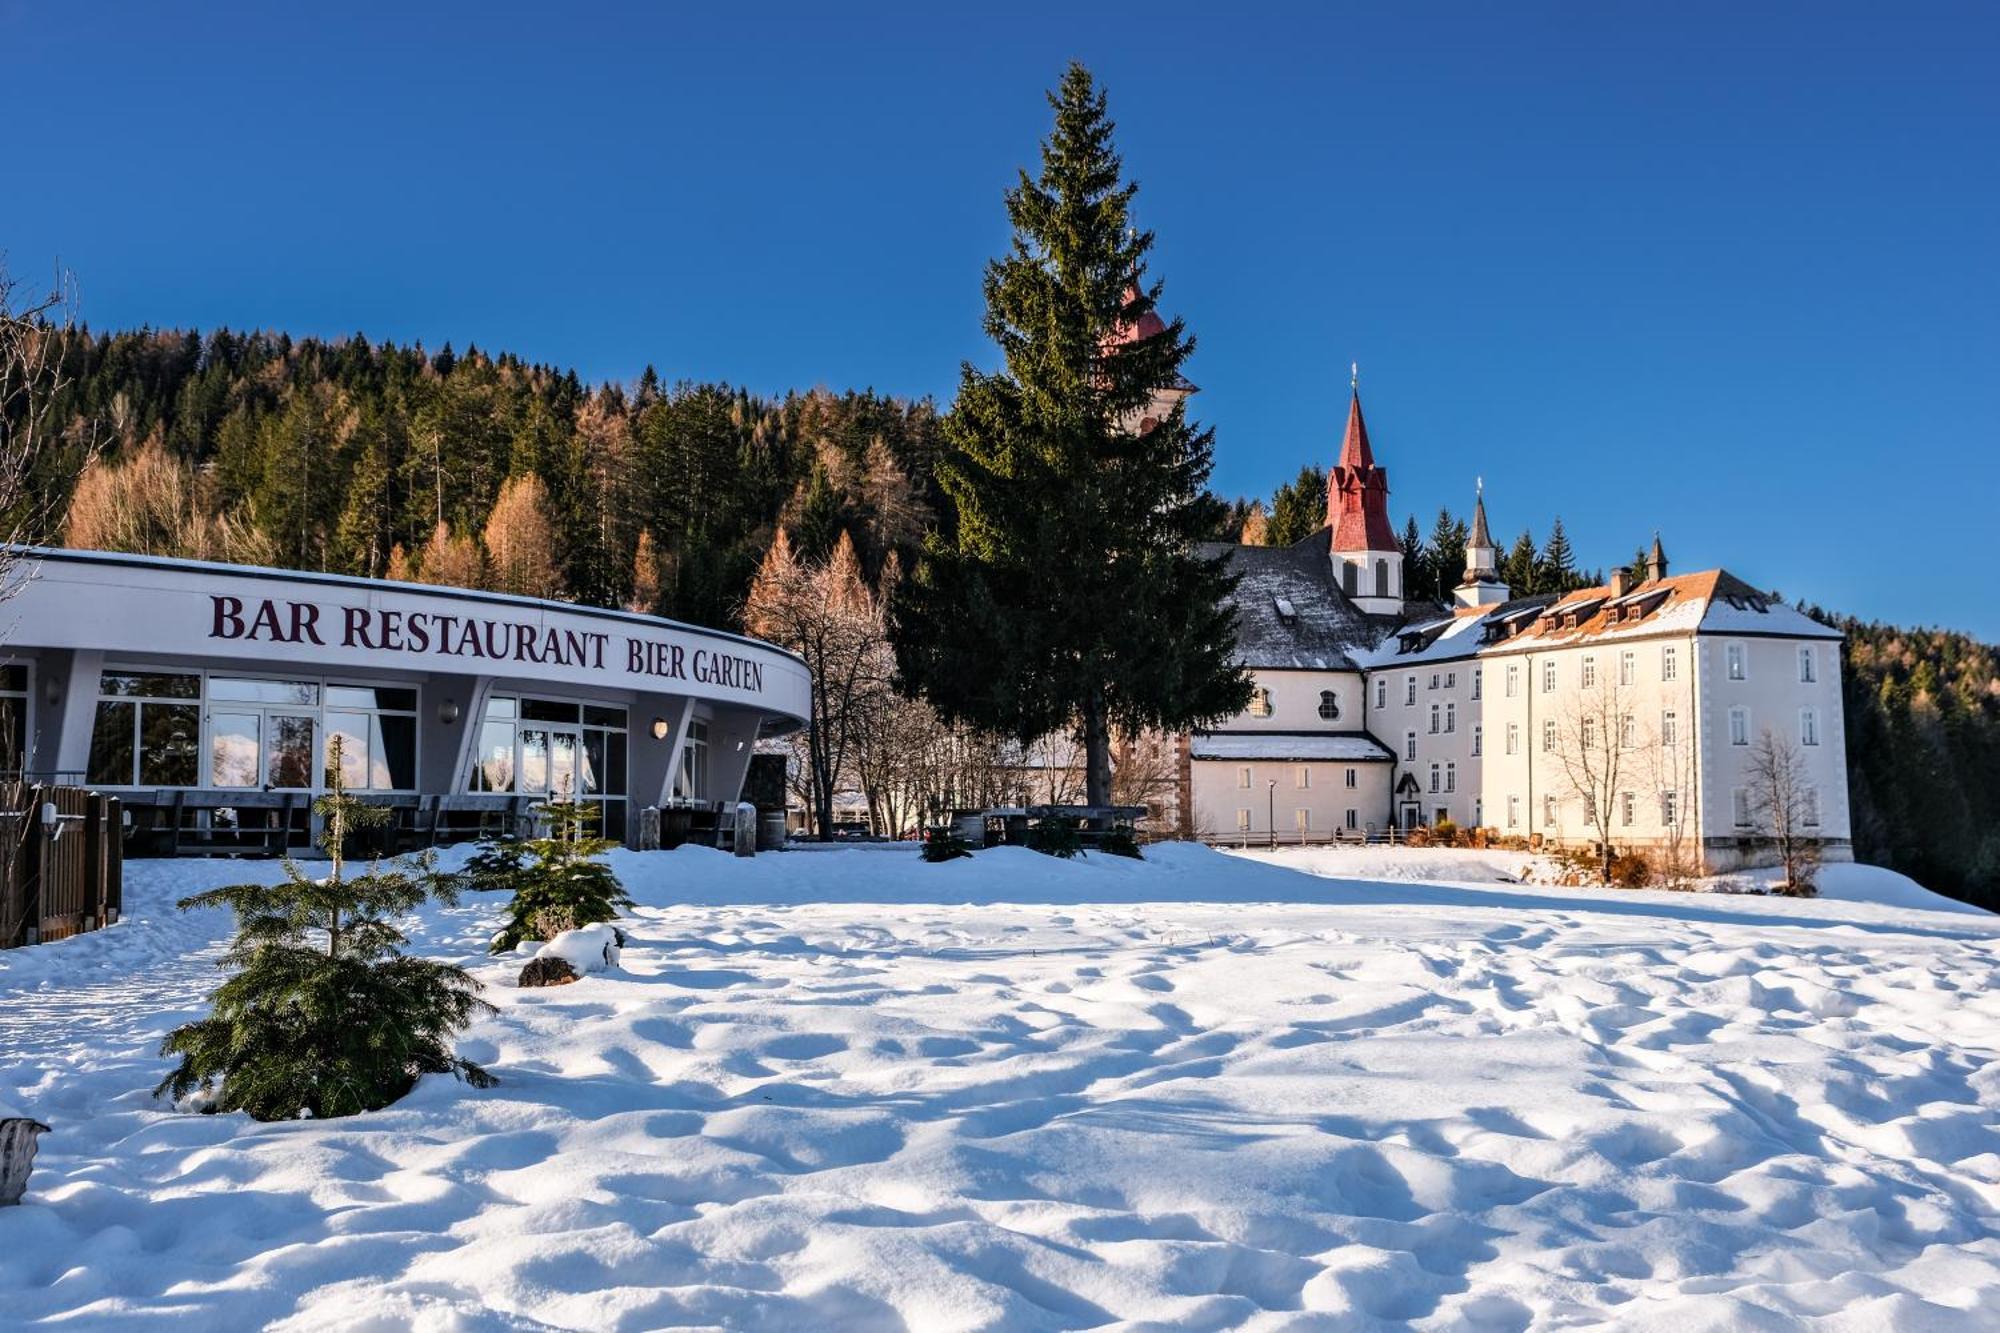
1481,584
1366,555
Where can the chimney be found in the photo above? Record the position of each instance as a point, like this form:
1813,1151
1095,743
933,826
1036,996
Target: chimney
1621,581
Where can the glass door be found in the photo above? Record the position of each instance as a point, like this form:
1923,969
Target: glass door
234,747
553,763
564,745
289,750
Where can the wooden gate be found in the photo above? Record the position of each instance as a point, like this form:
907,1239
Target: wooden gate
62,863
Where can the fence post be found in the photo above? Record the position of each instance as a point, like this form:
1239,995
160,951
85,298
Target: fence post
93,861
114,859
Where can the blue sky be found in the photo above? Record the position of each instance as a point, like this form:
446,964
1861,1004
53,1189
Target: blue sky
1728,271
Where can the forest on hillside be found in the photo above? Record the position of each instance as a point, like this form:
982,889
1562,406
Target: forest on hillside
478,470
485,470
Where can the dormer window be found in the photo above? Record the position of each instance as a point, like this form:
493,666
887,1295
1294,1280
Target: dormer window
1287,613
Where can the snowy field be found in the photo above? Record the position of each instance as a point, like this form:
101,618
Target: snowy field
1329,1089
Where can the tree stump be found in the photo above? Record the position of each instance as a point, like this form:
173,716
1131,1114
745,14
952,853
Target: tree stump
17,1154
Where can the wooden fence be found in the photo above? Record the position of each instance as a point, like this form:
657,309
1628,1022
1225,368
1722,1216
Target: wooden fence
62,862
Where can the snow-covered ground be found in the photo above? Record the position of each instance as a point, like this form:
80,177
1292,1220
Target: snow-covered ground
1335,1088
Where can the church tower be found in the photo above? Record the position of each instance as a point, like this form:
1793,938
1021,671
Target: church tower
1481,585
1367,558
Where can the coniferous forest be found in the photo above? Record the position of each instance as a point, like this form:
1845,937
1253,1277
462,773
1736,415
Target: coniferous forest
481,469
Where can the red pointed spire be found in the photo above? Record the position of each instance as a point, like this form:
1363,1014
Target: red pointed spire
1357,493
1354,450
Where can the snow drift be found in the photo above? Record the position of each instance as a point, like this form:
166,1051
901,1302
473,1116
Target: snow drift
852,1089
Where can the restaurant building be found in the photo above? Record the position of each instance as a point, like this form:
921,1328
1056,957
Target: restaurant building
217,691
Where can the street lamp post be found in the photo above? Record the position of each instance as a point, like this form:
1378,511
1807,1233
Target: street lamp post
1271,811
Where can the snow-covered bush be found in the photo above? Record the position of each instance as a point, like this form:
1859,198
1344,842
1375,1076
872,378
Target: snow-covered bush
560,882
591,949
325,1016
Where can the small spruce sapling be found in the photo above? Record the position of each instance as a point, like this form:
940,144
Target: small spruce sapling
325,1016
943,844
558,881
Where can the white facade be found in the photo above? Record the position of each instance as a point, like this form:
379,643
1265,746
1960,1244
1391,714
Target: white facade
1484,714
151,676
1293,766
1666,690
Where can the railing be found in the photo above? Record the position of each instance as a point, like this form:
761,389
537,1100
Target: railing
1390,836
62,864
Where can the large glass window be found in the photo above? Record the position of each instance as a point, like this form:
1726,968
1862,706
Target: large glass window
548,747
143,735
257,733
691,779
378,751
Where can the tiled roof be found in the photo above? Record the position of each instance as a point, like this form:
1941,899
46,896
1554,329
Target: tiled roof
1711,601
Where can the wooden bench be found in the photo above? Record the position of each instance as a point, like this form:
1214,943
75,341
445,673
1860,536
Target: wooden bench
183,821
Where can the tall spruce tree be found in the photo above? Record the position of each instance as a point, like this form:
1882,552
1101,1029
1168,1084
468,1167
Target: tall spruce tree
1070,595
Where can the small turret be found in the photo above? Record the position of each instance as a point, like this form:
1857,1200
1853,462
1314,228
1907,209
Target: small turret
1656,563
1481,585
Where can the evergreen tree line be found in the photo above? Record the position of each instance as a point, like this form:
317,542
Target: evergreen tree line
1923,754
385,460
1433,565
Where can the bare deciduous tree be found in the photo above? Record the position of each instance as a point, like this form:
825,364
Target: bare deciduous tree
828,616
451,559
1670,772
36,465
1594,740
150,503
1785,806
521,541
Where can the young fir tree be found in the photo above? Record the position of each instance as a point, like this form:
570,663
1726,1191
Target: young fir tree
1418,583
1519,568
1298,508
324,1015
559,881
1070,594
1447,553
1558,568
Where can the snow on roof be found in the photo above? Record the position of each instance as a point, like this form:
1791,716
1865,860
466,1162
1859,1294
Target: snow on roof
1347,746
1290,612
1453,638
